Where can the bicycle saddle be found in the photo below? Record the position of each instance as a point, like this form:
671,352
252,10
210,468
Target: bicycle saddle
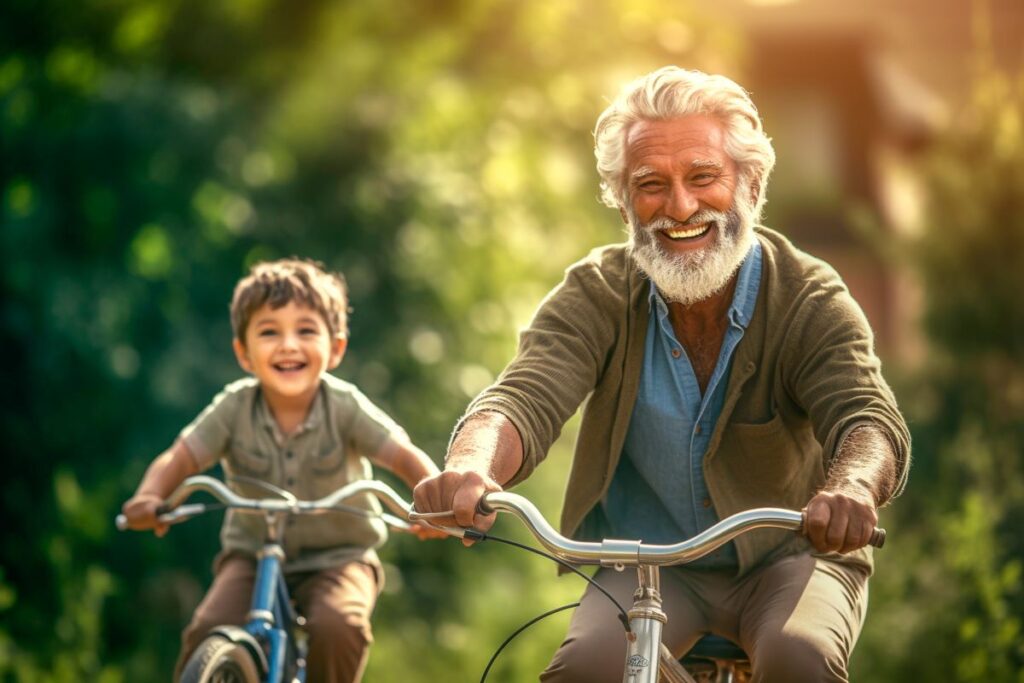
711,646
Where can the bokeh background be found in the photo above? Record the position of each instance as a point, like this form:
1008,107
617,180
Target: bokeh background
440,155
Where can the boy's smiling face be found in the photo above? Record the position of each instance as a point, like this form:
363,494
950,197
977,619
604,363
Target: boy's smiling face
287,349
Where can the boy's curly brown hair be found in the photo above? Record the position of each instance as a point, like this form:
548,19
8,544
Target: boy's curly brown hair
303,281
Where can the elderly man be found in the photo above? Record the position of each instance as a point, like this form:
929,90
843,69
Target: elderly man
725,370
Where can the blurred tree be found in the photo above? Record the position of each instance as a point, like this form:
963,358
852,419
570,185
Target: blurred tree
951,582
437,153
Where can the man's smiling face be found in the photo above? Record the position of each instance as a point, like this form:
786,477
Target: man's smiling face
690,226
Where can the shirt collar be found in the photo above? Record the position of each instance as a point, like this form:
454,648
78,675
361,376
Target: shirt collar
313,418
748,282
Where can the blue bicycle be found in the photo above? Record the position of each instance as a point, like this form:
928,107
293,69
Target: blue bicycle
271,646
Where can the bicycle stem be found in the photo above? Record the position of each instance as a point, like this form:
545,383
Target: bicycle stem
646,621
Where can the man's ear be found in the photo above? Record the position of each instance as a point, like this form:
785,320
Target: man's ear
755,190
241,355
338,347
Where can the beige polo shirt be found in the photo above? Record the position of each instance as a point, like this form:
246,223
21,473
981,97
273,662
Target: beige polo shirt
342,432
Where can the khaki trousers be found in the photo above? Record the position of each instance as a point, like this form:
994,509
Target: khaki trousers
336,603
798,619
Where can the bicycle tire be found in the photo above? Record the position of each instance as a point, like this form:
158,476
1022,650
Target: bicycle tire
218,660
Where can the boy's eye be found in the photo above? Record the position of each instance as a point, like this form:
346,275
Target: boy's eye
267,333
308,330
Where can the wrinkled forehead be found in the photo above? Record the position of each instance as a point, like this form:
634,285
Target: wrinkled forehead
691,141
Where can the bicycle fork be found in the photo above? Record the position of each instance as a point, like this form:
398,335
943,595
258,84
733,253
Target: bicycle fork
644,650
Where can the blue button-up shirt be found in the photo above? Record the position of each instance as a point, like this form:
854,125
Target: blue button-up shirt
658,493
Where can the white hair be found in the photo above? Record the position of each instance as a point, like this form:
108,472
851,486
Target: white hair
670,93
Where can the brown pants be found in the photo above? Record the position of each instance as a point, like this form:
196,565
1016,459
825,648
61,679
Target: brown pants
798,618
336,602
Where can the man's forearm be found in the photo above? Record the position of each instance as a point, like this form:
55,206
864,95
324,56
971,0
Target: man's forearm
487,443
864,462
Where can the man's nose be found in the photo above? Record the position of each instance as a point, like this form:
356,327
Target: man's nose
681,203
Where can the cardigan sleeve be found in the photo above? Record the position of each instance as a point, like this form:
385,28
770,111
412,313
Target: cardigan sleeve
832,371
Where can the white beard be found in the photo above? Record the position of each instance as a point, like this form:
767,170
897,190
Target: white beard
694,276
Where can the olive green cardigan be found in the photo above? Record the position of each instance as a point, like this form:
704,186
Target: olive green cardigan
804,373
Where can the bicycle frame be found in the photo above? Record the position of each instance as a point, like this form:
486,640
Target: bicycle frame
271,614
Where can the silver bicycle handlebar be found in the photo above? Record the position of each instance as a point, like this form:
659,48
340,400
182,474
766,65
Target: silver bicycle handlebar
176,512
615,552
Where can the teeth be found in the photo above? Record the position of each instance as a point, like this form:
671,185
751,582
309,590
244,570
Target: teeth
681,233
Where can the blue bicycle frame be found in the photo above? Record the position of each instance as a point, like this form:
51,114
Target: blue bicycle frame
272,617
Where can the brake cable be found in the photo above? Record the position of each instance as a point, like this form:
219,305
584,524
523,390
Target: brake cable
623,617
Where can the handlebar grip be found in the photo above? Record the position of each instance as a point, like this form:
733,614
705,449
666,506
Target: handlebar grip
877,539
121,522
482,508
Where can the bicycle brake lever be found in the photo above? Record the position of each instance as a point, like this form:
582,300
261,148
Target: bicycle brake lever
425,518
167,515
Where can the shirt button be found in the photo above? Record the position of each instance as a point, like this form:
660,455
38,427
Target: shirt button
707,502
676,353
289,455
291,481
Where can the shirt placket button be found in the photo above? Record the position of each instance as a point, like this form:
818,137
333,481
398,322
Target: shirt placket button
290,456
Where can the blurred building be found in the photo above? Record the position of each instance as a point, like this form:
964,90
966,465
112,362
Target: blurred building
852,94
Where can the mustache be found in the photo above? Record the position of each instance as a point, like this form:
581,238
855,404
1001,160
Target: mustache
703,216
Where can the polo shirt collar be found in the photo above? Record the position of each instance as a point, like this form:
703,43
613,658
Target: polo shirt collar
313,419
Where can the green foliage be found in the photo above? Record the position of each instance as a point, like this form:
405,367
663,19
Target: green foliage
73,652
949,589
439,154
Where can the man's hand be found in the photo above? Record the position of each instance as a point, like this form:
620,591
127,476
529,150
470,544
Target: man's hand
459,492
140,511
840,521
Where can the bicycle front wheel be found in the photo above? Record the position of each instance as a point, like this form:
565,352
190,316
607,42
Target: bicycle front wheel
218,660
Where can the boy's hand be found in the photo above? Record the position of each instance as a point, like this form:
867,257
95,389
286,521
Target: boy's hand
424,532
140,511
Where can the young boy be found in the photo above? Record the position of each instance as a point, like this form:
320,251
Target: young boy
297,427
